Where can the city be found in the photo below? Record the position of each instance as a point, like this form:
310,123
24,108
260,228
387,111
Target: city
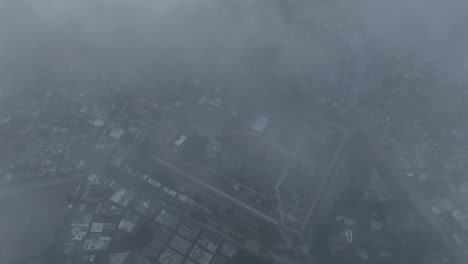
285,145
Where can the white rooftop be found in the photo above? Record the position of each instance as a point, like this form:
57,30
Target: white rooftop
126,226
97,227
118,258
116,133
260,124
181,140
98,123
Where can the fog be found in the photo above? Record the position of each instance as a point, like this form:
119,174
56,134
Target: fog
230,36
392,60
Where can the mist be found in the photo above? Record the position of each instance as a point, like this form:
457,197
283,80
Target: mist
396,70
269,43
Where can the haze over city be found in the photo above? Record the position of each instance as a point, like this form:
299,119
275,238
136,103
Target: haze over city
233,132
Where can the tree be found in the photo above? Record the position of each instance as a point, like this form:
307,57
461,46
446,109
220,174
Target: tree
144,236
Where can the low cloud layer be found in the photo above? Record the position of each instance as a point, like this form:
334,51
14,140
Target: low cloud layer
318,41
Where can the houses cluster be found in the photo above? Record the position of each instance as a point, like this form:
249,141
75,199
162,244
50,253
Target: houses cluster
107,216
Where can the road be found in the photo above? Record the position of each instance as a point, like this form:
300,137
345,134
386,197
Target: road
279,198
221,194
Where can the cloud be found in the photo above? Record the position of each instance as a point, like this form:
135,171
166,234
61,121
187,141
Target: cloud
316,40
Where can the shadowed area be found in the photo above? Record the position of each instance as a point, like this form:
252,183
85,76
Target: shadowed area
30,220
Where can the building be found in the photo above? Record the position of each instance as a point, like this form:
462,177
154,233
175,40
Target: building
118,258
97,244
116,133
260,124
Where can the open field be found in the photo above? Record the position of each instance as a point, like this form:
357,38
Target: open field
256,154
